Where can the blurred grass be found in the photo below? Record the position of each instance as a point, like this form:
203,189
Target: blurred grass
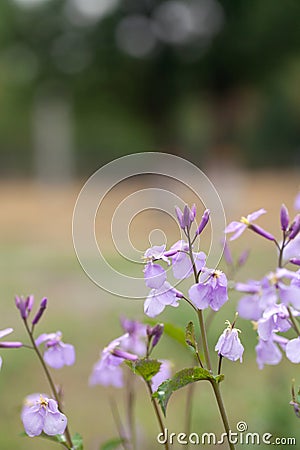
41,260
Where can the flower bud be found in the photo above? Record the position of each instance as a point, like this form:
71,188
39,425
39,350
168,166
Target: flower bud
284,217
40,312
204,221
261,232
295,227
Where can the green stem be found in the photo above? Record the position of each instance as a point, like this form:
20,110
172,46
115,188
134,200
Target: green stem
50,381
157,414
219,399
188,410
204,339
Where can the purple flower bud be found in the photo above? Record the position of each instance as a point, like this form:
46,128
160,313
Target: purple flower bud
179,216
227,253
29,303
284,217
295,261
124,355
261,232
243,257
204,221
40,312
11,344
21,305
295,227
186,217
155,332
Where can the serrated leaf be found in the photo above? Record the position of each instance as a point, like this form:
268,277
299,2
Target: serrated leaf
77,442
181,379
174,332
190,336
112,444
146,368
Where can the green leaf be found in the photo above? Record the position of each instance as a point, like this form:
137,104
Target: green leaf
60,438
190,336
112,444
174,332
181,379
77,442
146,368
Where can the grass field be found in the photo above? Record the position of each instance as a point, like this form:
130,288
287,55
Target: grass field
37,256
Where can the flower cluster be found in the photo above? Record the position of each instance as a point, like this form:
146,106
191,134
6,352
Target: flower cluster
273,303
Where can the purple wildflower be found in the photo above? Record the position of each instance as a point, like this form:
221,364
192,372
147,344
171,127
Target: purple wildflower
210,291
57,353
155,333
24,305
43,306
155,275
107,370
162,375
9,344
181,262
41,413
229,345
239,227
293,350
159,298
275,318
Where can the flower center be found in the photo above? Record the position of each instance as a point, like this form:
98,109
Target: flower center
245,221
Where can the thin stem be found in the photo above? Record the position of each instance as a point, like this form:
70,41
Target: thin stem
188,410
294,322
204,339
157,413
50,381
219,399
130,409
118,423
220,364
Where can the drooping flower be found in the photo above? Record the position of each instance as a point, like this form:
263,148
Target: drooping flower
247,222
162,375
181,261
229,345
57,353
211,291
107,370
41,413
159,298
293,350
8,344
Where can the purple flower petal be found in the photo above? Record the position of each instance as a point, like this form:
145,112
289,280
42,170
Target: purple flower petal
293,350
55,423
154,275
256,214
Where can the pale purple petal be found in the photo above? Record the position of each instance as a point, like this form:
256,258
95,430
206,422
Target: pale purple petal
106,375
199,295
54,357
240,230
55,423
153,307
297,202
5,332
232,227
229,345
293,350
256,214
33,422
248,307
267,353
68,354
45,337
154,275
1,362
161,376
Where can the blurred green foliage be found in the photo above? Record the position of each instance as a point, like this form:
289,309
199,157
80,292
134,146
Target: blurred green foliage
208,79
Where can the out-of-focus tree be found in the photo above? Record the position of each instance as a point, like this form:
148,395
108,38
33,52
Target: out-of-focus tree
202,78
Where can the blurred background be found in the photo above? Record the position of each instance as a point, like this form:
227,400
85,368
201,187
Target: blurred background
83,82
